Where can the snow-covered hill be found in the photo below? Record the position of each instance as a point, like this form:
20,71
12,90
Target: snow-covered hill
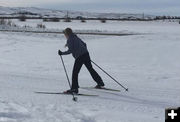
15,11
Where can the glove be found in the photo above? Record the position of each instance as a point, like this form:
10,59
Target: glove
59,52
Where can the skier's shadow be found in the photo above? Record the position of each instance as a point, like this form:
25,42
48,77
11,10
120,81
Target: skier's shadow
130,99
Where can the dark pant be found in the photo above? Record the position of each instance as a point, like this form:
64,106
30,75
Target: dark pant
84,59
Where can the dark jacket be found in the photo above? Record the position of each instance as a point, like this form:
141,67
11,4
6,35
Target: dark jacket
75,46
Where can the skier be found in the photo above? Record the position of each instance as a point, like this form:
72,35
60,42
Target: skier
80,52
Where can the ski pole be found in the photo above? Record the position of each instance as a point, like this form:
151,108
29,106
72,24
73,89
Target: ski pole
74,98
109,75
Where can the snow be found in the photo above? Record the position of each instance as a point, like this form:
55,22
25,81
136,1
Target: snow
148,64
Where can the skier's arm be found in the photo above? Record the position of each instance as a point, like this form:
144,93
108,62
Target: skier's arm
65,45
70,48
66,52
84,44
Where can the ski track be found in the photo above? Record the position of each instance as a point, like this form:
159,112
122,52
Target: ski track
12,112
147,64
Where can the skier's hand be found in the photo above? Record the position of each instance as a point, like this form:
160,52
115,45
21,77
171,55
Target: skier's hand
65,45
59,52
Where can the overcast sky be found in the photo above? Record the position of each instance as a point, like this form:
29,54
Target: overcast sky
156,7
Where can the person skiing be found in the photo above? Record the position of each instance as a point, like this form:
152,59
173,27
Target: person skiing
79,51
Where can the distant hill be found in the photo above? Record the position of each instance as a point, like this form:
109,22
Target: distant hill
40,12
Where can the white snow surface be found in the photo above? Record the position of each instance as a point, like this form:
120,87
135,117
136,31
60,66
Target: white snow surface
147,64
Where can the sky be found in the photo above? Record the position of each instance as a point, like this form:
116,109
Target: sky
155,7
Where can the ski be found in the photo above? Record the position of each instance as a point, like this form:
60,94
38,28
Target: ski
61,93
108,89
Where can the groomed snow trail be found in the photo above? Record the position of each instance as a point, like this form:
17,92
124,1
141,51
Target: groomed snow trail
148,64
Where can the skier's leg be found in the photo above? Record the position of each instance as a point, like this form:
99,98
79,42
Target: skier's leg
76,69
93,73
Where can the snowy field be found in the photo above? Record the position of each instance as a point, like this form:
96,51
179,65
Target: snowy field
148,64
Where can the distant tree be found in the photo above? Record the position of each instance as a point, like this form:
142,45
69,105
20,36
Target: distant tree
83,20
173,17
45,20
103,20
7,22
68,19
2,22
26,13
41,26
164,17
169,17
55,19
176,17
51,20
22,18
158,17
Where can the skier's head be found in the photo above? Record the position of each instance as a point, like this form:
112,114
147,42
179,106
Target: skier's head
67,32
